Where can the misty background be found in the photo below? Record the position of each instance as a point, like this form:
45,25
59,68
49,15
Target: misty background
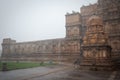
29,20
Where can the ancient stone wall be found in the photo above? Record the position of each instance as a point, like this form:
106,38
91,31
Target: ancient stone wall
110,10
33,49
45,50
68,48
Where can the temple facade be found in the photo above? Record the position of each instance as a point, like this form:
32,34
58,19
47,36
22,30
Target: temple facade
96,50
96,25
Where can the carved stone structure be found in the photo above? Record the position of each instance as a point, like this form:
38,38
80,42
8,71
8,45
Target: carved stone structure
96,51
68,49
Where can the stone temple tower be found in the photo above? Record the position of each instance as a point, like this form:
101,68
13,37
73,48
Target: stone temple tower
96,51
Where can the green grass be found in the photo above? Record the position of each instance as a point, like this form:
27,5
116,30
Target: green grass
23,65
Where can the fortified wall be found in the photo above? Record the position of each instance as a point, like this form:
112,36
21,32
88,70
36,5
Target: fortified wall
34,50
59,50
68,49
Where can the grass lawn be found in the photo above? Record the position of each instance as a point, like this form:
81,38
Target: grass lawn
23,65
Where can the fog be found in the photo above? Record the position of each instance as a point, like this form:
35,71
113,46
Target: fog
28,20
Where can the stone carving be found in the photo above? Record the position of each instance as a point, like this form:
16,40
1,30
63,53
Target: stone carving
95,47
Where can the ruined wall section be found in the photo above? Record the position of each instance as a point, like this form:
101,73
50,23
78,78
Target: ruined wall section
34,50
58,50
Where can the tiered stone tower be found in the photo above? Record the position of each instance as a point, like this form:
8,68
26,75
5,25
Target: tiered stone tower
96,51
73,35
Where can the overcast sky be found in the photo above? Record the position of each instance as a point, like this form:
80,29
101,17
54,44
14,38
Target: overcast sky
28,20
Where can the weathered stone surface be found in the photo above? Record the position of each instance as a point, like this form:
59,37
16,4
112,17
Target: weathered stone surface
68,49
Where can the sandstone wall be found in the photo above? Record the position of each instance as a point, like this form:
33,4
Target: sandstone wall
68,48
46,50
